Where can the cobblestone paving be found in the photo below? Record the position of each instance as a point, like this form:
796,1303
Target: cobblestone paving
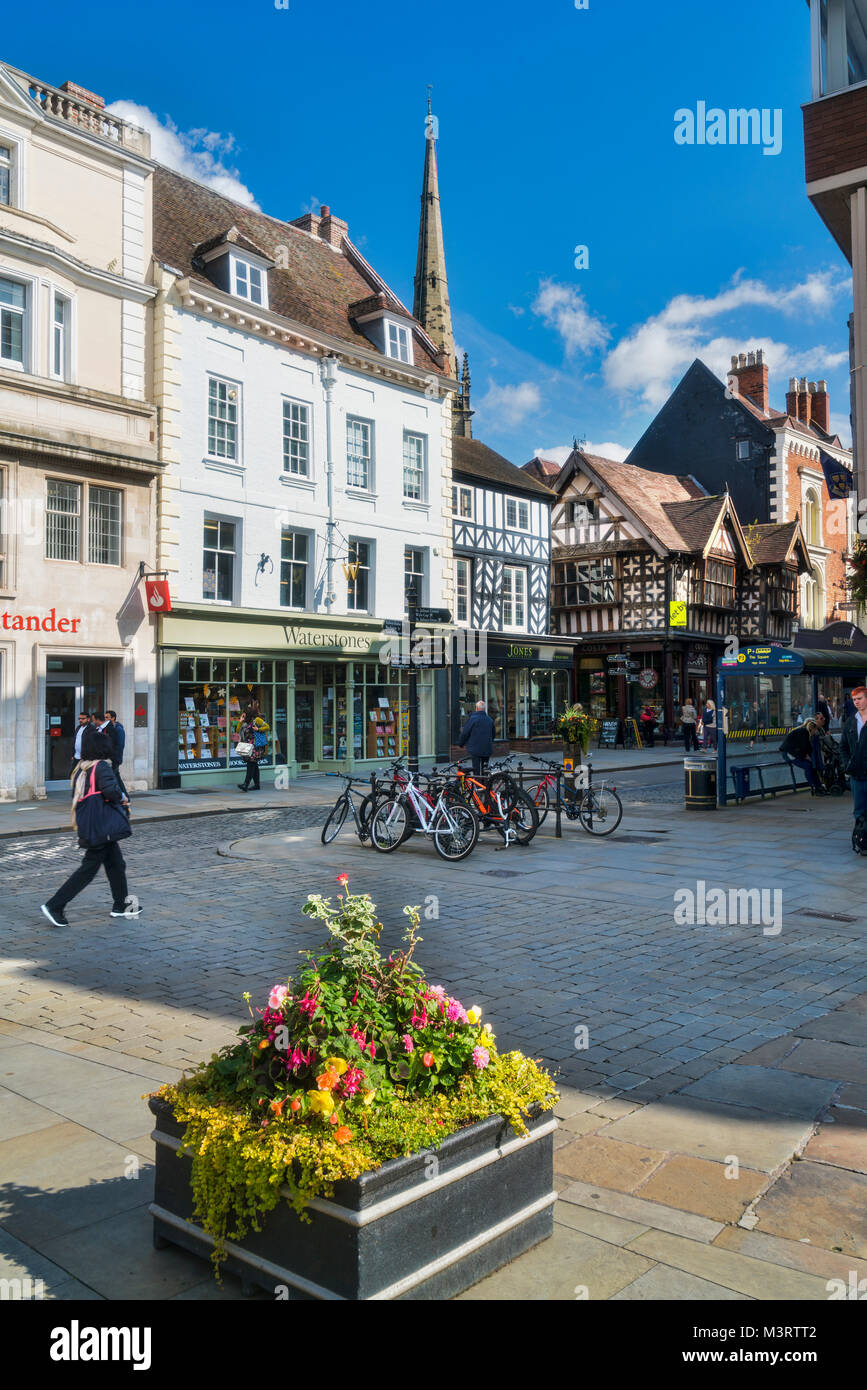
550,940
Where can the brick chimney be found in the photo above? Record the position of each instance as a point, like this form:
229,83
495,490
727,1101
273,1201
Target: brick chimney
751,371
332,229
792,398
821,407
82,94
308,222
805,401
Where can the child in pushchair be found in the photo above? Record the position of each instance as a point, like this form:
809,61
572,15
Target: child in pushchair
834,779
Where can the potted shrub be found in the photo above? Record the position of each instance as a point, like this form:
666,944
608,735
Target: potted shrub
364,1139
574,726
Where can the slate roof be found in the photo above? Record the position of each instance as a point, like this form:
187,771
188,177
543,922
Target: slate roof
474,459
311,282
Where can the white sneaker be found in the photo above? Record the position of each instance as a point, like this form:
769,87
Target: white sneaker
132,909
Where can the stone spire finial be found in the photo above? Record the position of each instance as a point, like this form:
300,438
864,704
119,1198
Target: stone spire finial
431,290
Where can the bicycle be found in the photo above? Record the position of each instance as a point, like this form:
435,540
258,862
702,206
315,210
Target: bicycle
343,805
453,828
599,808
499,803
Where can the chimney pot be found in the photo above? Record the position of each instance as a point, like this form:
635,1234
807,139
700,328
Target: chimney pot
802,384
820,406
812,388
734,360
751,359
823,387
325,210
793,383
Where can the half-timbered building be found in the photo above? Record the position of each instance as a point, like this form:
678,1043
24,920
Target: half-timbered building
502,555
650,565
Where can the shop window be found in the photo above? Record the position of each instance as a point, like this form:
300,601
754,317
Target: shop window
203,668
266,670
251,670
218,670
186,669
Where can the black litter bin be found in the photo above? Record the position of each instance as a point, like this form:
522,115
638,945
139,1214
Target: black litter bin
700,783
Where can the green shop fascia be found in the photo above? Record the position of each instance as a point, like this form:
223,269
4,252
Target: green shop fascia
328,701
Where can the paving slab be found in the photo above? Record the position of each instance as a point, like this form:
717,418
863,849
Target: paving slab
613,1229
118,1253
819,1203
854,1096
841,1140
20,1116
843,1025
755,1278
560,1269
694,1184
607,1162
765,1088
112,1106
841,1061
768,1053
641,1211
663,1282
794,1254
707,1129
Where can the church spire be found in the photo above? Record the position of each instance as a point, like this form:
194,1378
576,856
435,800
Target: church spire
431,290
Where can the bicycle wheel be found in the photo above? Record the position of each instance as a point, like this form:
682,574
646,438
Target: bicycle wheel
455,832
388,828
524,818
540,799
334,824
600,812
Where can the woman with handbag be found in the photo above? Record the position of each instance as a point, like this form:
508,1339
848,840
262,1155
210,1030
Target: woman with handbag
99,816
252,745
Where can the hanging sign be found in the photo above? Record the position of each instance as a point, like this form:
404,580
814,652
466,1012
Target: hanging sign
677,613
648,678
158,597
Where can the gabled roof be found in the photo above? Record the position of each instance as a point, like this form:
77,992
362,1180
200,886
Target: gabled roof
779,543
543,470
311,282
474,459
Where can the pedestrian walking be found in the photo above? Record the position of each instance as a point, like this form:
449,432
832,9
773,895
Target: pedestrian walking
477,736
708,720
849,710
99,816
689,719
116,731
854,747
254,743
823,708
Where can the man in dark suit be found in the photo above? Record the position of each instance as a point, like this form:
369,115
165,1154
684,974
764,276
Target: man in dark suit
477,736
117,737
854,747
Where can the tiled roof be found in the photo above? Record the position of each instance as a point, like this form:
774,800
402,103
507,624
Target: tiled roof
474,459
311,283
778,419
770,544
543,470
230,237
645,494
695,520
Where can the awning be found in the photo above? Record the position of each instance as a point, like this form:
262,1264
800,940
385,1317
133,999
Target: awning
826,659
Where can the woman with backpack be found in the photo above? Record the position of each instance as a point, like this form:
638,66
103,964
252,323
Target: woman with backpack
99,816
252,745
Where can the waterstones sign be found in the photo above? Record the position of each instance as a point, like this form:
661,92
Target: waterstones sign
328,638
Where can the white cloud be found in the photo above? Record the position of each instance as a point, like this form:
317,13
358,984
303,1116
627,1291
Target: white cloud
558,454
564,309
507,406
653,355
198,154
608,450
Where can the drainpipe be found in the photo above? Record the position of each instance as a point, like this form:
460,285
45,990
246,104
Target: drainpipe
328,368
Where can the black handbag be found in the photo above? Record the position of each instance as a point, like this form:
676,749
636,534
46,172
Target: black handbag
99,822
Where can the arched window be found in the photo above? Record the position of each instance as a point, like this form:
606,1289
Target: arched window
812,518
813,611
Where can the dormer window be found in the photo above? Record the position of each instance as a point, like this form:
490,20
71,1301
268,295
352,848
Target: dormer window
398,342
248,281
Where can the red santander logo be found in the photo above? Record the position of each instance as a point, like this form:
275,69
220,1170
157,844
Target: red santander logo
158,597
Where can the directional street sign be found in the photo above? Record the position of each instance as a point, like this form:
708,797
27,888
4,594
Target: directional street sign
433,615
393,624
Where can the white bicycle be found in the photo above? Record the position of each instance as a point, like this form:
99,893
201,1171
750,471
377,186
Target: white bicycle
454,828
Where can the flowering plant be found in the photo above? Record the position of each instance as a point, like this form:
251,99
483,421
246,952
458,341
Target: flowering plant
574,726
356,1061
858,578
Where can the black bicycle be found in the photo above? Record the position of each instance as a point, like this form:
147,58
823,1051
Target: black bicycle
362,815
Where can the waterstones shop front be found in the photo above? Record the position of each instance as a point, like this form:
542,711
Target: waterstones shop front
330,704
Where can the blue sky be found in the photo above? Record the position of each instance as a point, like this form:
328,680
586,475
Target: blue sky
556,130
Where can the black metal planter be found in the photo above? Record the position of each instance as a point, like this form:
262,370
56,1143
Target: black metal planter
423,1227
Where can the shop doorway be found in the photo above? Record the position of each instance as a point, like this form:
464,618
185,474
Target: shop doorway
63,703
305,732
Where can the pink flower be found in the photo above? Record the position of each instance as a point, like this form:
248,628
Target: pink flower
408,1043
343,878
277,995
437,992
419,1020
371,1047
481,1057
307,1005
453,1011
352,1079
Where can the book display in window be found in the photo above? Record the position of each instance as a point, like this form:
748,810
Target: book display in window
381,735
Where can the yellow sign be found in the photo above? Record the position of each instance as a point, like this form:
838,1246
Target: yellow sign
350,571
677,613
568,764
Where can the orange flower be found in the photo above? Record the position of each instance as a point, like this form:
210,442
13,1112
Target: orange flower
327,1080
277,1106
343,1134
295,1104
263,1044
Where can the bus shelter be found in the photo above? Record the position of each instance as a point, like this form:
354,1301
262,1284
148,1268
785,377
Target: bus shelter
754,703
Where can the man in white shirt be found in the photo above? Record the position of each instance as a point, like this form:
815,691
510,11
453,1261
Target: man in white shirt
83,723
